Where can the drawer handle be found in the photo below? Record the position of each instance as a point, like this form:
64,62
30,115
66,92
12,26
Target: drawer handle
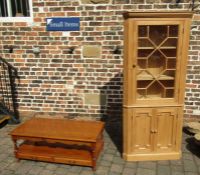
154,131
133,65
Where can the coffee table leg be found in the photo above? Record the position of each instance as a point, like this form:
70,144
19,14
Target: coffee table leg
15,147
93,152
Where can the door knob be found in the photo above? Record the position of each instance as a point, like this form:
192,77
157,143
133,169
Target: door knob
133,65
154,131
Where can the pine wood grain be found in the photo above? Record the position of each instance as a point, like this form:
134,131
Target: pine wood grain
59,140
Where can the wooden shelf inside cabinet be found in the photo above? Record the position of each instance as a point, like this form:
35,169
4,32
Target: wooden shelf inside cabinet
152,48
149,77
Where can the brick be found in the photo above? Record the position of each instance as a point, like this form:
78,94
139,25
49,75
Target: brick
94,1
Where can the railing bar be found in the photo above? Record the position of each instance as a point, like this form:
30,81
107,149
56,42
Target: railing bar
9,8
1,11
11,88
8,64
27,8
21,7
5,8
16,5
6,87
1,84
3,89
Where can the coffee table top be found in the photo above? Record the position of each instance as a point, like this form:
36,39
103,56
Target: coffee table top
60,129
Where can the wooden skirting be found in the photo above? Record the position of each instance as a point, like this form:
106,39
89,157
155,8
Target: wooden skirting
153,156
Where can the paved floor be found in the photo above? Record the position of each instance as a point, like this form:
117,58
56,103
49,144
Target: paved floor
109,163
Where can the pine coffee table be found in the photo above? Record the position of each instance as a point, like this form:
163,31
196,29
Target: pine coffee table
59,140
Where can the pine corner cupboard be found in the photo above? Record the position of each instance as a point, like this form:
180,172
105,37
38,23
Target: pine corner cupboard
155,59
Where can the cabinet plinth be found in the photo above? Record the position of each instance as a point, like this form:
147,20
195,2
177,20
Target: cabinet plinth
155,58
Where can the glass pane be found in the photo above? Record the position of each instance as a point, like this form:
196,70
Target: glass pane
157,34
145,43
155,91
169,52
169,93
170,42
142,63
144,52
167,83
156,63
167,74
171,64
143,83
144,75
173,31
142,32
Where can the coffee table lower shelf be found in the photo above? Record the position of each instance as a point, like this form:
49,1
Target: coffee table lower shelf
55,154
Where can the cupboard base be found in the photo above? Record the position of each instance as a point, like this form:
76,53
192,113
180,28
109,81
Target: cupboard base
153,156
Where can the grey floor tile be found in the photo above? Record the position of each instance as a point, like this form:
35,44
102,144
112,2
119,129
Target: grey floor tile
177,173
117,168
147,165
191,173
163,170
35,170
129,171
143,171
190,166
177,168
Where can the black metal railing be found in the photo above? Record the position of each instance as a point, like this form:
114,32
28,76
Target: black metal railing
8,93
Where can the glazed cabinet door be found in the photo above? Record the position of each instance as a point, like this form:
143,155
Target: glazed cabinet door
155,61
168,128
142,125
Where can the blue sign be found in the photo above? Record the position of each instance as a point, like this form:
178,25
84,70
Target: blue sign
63,24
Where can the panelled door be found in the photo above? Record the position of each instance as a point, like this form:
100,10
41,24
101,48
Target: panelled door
155,129
142,136
167,124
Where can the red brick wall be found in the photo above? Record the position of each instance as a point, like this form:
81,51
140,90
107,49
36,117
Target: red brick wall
57,81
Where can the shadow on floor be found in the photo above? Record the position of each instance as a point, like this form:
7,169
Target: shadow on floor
115,133
191,143
112,109
193,146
